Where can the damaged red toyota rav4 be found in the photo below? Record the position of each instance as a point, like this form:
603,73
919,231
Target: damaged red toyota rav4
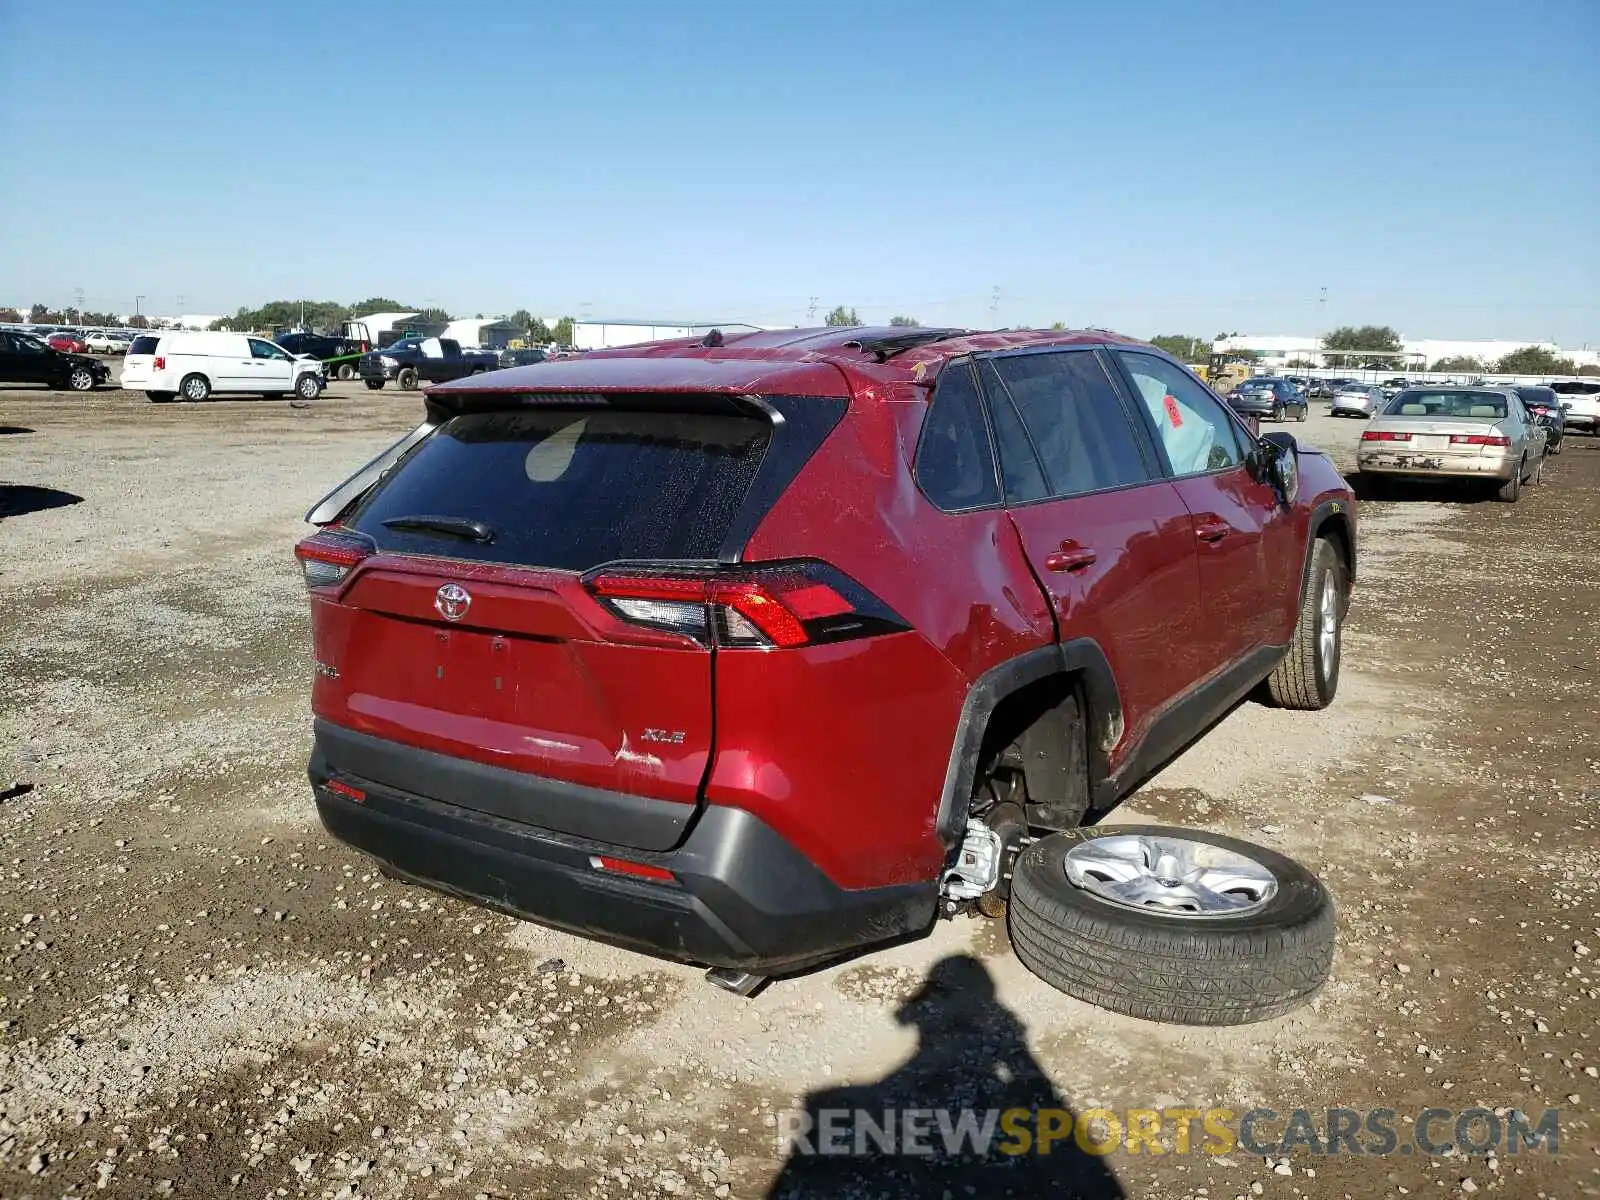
757,651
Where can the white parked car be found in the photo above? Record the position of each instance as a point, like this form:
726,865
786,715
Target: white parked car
1580,398
103,341
197,365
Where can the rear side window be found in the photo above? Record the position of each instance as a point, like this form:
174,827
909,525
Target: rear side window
571,489
1077,424
144,345
954,463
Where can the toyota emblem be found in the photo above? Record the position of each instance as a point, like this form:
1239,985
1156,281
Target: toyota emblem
452,601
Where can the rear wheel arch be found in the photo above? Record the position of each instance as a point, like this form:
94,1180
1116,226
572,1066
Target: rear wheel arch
1057,712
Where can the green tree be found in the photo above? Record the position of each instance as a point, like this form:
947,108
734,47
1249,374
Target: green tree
10,316
43,314
1461,362
1357,338
138,321
1182,346
1058,325
377,304
1535,360
1300,364
433,315
842,317
905,322
539,332
561,332
1589,369
522,319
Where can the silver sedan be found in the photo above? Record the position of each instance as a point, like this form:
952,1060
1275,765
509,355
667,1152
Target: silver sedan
1357,400
1454,433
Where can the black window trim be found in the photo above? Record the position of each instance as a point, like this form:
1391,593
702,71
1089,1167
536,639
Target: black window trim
1242,433
1138,429
964,363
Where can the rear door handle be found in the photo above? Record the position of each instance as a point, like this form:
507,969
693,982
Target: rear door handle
1211,531
1071,557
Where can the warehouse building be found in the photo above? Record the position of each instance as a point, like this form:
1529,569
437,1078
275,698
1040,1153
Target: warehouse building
600,334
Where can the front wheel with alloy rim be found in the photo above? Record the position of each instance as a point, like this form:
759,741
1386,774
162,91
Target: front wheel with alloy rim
307,387
1175,925
195,388
81,379
1307,677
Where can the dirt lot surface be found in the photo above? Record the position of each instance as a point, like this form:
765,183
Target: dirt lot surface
201,995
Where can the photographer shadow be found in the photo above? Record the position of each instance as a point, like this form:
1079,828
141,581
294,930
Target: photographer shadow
971,1059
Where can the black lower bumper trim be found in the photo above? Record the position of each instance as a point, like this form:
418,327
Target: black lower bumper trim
744,897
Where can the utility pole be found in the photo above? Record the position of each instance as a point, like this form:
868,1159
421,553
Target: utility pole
994,305
811,310
78,295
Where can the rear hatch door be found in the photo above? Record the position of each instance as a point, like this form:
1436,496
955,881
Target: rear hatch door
470,632
138,365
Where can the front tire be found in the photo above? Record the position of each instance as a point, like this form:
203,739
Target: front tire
1277,413
1174,925
1305,412
374,385
307,387
80,379
1307,677
195,388
407,379
346,372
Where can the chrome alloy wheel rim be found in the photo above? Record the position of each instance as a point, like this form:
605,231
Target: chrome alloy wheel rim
1328,625
1169,875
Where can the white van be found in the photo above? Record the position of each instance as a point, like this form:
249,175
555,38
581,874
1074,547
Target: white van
196,365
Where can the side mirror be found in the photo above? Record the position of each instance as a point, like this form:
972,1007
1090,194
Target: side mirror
1279,464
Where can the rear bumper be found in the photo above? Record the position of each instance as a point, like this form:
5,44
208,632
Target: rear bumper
1252,408
1436,464
1581,421
742,896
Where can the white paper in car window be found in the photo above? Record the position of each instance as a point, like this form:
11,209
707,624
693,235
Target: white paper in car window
549,460
1188,439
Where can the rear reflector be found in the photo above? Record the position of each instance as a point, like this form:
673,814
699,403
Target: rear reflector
1478,439
328,556
1383,435
621,866
781,605
345,790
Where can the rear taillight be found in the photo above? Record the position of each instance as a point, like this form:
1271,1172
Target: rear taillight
328,556
1478,439
780,605
1383,435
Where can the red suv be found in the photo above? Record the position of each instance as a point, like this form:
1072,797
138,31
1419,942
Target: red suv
751,651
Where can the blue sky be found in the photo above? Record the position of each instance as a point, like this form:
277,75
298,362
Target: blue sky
1153,167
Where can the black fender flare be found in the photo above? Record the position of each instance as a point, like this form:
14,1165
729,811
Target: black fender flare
1337,514
1082,657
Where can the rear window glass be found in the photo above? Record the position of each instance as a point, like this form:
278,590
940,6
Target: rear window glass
1489,405
573,488
144,345
1574,388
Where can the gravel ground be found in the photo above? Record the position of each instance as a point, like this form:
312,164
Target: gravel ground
202,995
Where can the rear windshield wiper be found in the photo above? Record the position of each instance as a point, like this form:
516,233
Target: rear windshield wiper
461,527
